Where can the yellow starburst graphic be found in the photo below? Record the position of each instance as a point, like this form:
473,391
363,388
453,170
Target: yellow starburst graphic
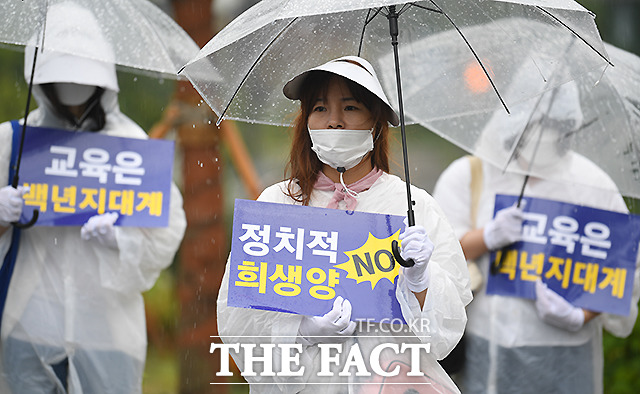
372,261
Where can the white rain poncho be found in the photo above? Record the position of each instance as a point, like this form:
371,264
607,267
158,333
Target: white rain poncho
509,349
444,307
76,306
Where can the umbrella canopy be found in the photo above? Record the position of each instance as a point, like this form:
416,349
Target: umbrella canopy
241,71
276,39
133,34
596,116
142,37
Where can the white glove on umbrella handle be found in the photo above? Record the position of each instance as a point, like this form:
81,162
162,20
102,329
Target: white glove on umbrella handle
505,228
11,204
334,326
556,311
416,245
102,229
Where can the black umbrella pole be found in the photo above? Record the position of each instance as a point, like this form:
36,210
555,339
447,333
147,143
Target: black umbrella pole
393,30
16,169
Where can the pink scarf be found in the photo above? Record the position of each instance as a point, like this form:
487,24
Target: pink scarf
339,193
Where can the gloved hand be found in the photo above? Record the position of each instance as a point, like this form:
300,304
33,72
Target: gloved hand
416,245
555,310
334,326
505,228
101,228
11,204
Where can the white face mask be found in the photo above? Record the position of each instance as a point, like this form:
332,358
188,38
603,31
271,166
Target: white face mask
340,147
73,93
548,153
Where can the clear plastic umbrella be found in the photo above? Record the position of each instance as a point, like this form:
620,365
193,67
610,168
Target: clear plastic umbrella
596,116
143,38
275,39
138,37
265,46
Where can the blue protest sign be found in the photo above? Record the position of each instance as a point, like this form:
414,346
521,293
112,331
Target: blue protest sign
586,255
297,259
75,175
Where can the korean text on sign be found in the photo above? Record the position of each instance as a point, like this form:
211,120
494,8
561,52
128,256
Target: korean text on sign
586,255
292,259
75,175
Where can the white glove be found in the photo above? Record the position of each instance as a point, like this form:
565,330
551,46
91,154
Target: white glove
101,228
11,204
555,310
505,228
416,245
335,326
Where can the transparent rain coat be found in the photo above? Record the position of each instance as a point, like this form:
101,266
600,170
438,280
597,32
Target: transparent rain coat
444,307
75,307
509,349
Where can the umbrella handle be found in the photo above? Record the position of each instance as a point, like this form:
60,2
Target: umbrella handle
30,223
395,250
495,267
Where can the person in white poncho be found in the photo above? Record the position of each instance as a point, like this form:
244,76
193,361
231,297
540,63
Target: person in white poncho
339,159
516,345
74,317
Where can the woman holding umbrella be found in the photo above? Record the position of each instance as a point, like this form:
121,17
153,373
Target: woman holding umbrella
74,315
518,345
339,159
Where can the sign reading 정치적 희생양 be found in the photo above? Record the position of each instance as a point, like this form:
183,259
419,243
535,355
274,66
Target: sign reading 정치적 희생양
297,259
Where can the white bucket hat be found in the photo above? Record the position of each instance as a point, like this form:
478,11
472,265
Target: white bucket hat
361,73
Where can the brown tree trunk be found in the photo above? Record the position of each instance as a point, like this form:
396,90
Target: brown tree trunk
204,248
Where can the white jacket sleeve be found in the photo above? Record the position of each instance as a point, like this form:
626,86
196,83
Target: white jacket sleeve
453,193
618,325
449,291
144,252
622,326
6,135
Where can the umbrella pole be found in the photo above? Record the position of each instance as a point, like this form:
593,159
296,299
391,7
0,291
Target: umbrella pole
16,169
526,179
411,221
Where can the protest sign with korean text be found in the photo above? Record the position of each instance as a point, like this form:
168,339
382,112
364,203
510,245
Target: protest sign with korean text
586,255
75,175
297,259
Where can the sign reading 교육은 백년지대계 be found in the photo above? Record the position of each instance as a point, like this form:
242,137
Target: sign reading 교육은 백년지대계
75,175
586,255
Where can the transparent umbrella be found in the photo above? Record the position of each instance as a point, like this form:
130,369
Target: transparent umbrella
596,116
275,39
139,37
143,38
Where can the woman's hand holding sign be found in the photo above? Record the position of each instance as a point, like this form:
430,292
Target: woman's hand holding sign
416,245
102,229
334,326
555,310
